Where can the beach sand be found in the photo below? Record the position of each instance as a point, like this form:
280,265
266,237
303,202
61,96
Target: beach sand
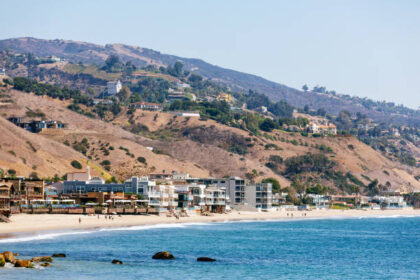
21,223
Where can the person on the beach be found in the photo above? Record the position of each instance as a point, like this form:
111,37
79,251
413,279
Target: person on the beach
80,220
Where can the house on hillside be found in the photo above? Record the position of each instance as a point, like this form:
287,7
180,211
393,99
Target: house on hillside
114,87
322,129
36,126
224,97
2,72
182,85
147,106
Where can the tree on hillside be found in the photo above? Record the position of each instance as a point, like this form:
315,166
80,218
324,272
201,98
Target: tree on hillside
344,120
305,87
124,94
299,187
113,63
176,70
194,78
321,112
268,125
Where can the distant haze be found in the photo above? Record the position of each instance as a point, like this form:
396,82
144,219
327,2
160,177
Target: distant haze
363,48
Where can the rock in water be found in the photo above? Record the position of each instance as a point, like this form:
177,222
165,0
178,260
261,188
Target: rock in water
2,260
205,259
24,263
163,256
59,255
45,264
8,257
42,259
117,262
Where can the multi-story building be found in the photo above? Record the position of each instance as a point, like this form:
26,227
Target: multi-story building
185,197
216,199
259,196
162,197
114,87
198,193
23,191
5,198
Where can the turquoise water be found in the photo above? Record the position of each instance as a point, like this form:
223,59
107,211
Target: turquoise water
369,248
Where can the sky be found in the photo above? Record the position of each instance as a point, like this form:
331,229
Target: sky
367,48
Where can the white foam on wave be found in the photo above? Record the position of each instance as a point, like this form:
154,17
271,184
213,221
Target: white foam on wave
157,226
52,235
42,236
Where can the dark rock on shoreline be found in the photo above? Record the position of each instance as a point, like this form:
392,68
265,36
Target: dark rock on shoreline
9,257
24,263
45,264
205,259
117,262
59,255
42,259
163,256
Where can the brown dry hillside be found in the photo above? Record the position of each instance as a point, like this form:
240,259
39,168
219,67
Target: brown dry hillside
206,142
26,152
199,147
100,137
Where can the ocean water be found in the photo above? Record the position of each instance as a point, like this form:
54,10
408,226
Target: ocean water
340,248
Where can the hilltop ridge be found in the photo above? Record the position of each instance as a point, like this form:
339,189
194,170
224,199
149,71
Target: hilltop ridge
90,53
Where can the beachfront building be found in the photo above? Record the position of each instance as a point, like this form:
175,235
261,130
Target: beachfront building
259,196
320,201
162,197
216,199
234,186
198,193
97,184
185,196
23,190
389,202
5,198
113,87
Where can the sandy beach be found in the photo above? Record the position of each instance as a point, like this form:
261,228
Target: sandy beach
46,222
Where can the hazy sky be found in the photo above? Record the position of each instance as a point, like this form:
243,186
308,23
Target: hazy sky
364,48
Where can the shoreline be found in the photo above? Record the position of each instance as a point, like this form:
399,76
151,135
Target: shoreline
42,223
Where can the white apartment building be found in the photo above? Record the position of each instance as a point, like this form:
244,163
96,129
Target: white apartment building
114,87
216,199
161,197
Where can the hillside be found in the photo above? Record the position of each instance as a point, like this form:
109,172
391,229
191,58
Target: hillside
183,144
96,54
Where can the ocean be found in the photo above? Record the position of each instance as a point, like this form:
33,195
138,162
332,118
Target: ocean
339,248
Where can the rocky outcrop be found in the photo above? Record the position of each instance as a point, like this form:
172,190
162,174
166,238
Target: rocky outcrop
205,259
2,260
9,257
24,263
117,262
45,264
59,255
163,256
42,259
